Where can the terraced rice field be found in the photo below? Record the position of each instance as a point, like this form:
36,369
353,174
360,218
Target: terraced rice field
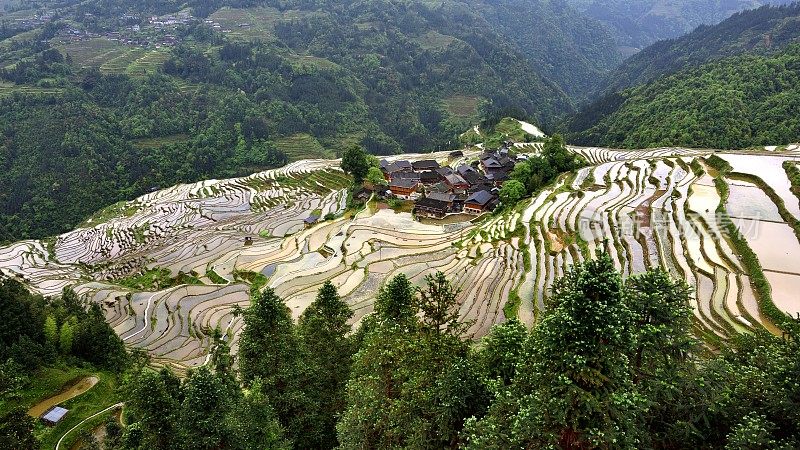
646,208
252,23
10,88
114,57
302,146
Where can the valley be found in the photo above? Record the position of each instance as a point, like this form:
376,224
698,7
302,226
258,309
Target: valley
172,266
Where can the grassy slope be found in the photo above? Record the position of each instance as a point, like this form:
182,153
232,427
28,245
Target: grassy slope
52,380
302,146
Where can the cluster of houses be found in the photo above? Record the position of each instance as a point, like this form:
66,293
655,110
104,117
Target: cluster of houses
441,190
152,32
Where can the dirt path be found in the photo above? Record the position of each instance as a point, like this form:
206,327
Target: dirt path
116,405
75,390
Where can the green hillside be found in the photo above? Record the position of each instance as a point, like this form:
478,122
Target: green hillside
765,29
737,102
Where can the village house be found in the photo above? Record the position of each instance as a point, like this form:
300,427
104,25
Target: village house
404,188
311,220
480,202
470,175
363,194
425,164
390,170
456,182
429,177
407,176
431,207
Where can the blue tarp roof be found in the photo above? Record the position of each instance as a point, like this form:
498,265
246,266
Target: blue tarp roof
55,414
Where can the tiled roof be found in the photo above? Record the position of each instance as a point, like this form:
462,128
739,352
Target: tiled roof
404,183
481,198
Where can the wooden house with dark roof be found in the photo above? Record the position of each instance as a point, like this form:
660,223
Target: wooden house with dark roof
480,202
431,207
404,188
425,164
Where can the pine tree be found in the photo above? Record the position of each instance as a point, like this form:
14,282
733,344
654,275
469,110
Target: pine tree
16,431
501,350
413,383
253,423
208,400
354,163
573,388
152,402
268,351
395,300
327,356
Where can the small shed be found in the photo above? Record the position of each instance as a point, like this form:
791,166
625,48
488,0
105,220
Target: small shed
54,415
311,220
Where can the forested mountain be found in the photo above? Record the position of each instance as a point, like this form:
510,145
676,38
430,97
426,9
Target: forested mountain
637,24
695,90
562,44
765,29
737,102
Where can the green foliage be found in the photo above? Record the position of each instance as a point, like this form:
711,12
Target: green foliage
507,129
207,410
92,162
268,352
736,102
587,375
754,432
719,164
207,400
152,402
512,192
215,277
413,383
354,163
395,300
375,176
697,168
327,353
502,349
754,30
16,431
66,336
438,302
571,48
253,423
256,280
51,331
793,172
748,257
156,279
540,170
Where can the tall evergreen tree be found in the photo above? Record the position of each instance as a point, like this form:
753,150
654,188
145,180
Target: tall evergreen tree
354,163
395,301
501,350
268,351
16,431
152,401
208,400
327,355
253,423
413,383
573,388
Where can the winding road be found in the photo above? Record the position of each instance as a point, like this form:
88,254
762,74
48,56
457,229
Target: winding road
117,405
